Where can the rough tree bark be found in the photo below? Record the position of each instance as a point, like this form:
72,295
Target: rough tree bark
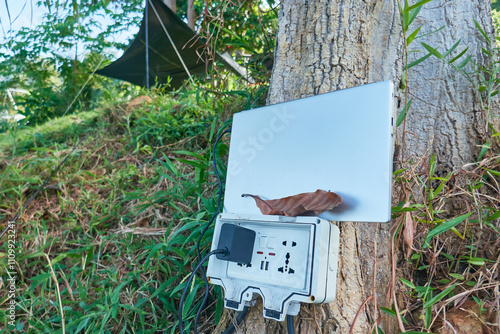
190,14
325,45
447,118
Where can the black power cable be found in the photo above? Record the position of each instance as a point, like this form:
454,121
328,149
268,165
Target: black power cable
11,223
198,252
181,304
219,202
289,324
239,319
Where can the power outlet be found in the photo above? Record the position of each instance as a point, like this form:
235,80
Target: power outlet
278,256
294,260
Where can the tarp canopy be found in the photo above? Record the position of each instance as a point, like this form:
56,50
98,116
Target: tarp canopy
163,59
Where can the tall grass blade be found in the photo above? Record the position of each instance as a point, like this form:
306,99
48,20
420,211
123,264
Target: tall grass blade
446,226
439,296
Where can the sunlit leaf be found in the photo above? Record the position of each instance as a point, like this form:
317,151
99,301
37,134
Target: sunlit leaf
446,226
403,113
412,36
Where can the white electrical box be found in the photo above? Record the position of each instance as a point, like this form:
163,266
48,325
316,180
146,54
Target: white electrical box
294,260
340,142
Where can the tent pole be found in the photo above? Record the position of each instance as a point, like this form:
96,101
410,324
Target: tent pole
147,46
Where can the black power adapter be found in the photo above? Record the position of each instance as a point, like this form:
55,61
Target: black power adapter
238,243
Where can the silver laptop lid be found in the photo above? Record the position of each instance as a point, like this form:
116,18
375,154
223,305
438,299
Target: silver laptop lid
340,141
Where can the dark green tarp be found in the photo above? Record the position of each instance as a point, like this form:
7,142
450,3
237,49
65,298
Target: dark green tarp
163,60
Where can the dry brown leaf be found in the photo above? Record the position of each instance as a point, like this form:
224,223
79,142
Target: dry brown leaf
291,206
137,102
144,222
409,229
408,233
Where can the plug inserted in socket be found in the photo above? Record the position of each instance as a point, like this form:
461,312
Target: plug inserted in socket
280,256
294,260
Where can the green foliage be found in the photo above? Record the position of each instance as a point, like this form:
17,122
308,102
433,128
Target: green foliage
120,220
408,13
484,78
56,60
113,237
440,222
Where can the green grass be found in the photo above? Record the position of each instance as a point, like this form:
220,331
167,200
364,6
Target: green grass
19,139
119,221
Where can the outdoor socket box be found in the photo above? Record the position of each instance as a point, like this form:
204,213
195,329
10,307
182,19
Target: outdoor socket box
294,260
340,141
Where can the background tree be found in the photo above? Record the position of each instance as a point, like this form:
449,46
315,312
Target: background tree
323,46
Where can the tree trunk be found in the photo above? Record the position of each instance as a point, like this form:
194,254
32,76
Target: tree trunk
325,45
446,117
171,4
190,14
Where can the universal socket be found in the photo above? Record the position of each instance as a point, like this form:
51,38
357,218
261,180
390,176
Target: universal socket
294,260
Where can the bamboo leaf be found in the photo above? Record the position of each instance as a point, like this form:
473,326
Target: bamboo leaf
452,48
403,113
466,60
476,261
433,51
485,147
493,216
399,171
406,17
445,227
439,296
408,283
443,183
482,31
457,276
419,4
433,165
492,172
454,230
413,15
459,55
416,62
410,38
486,52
